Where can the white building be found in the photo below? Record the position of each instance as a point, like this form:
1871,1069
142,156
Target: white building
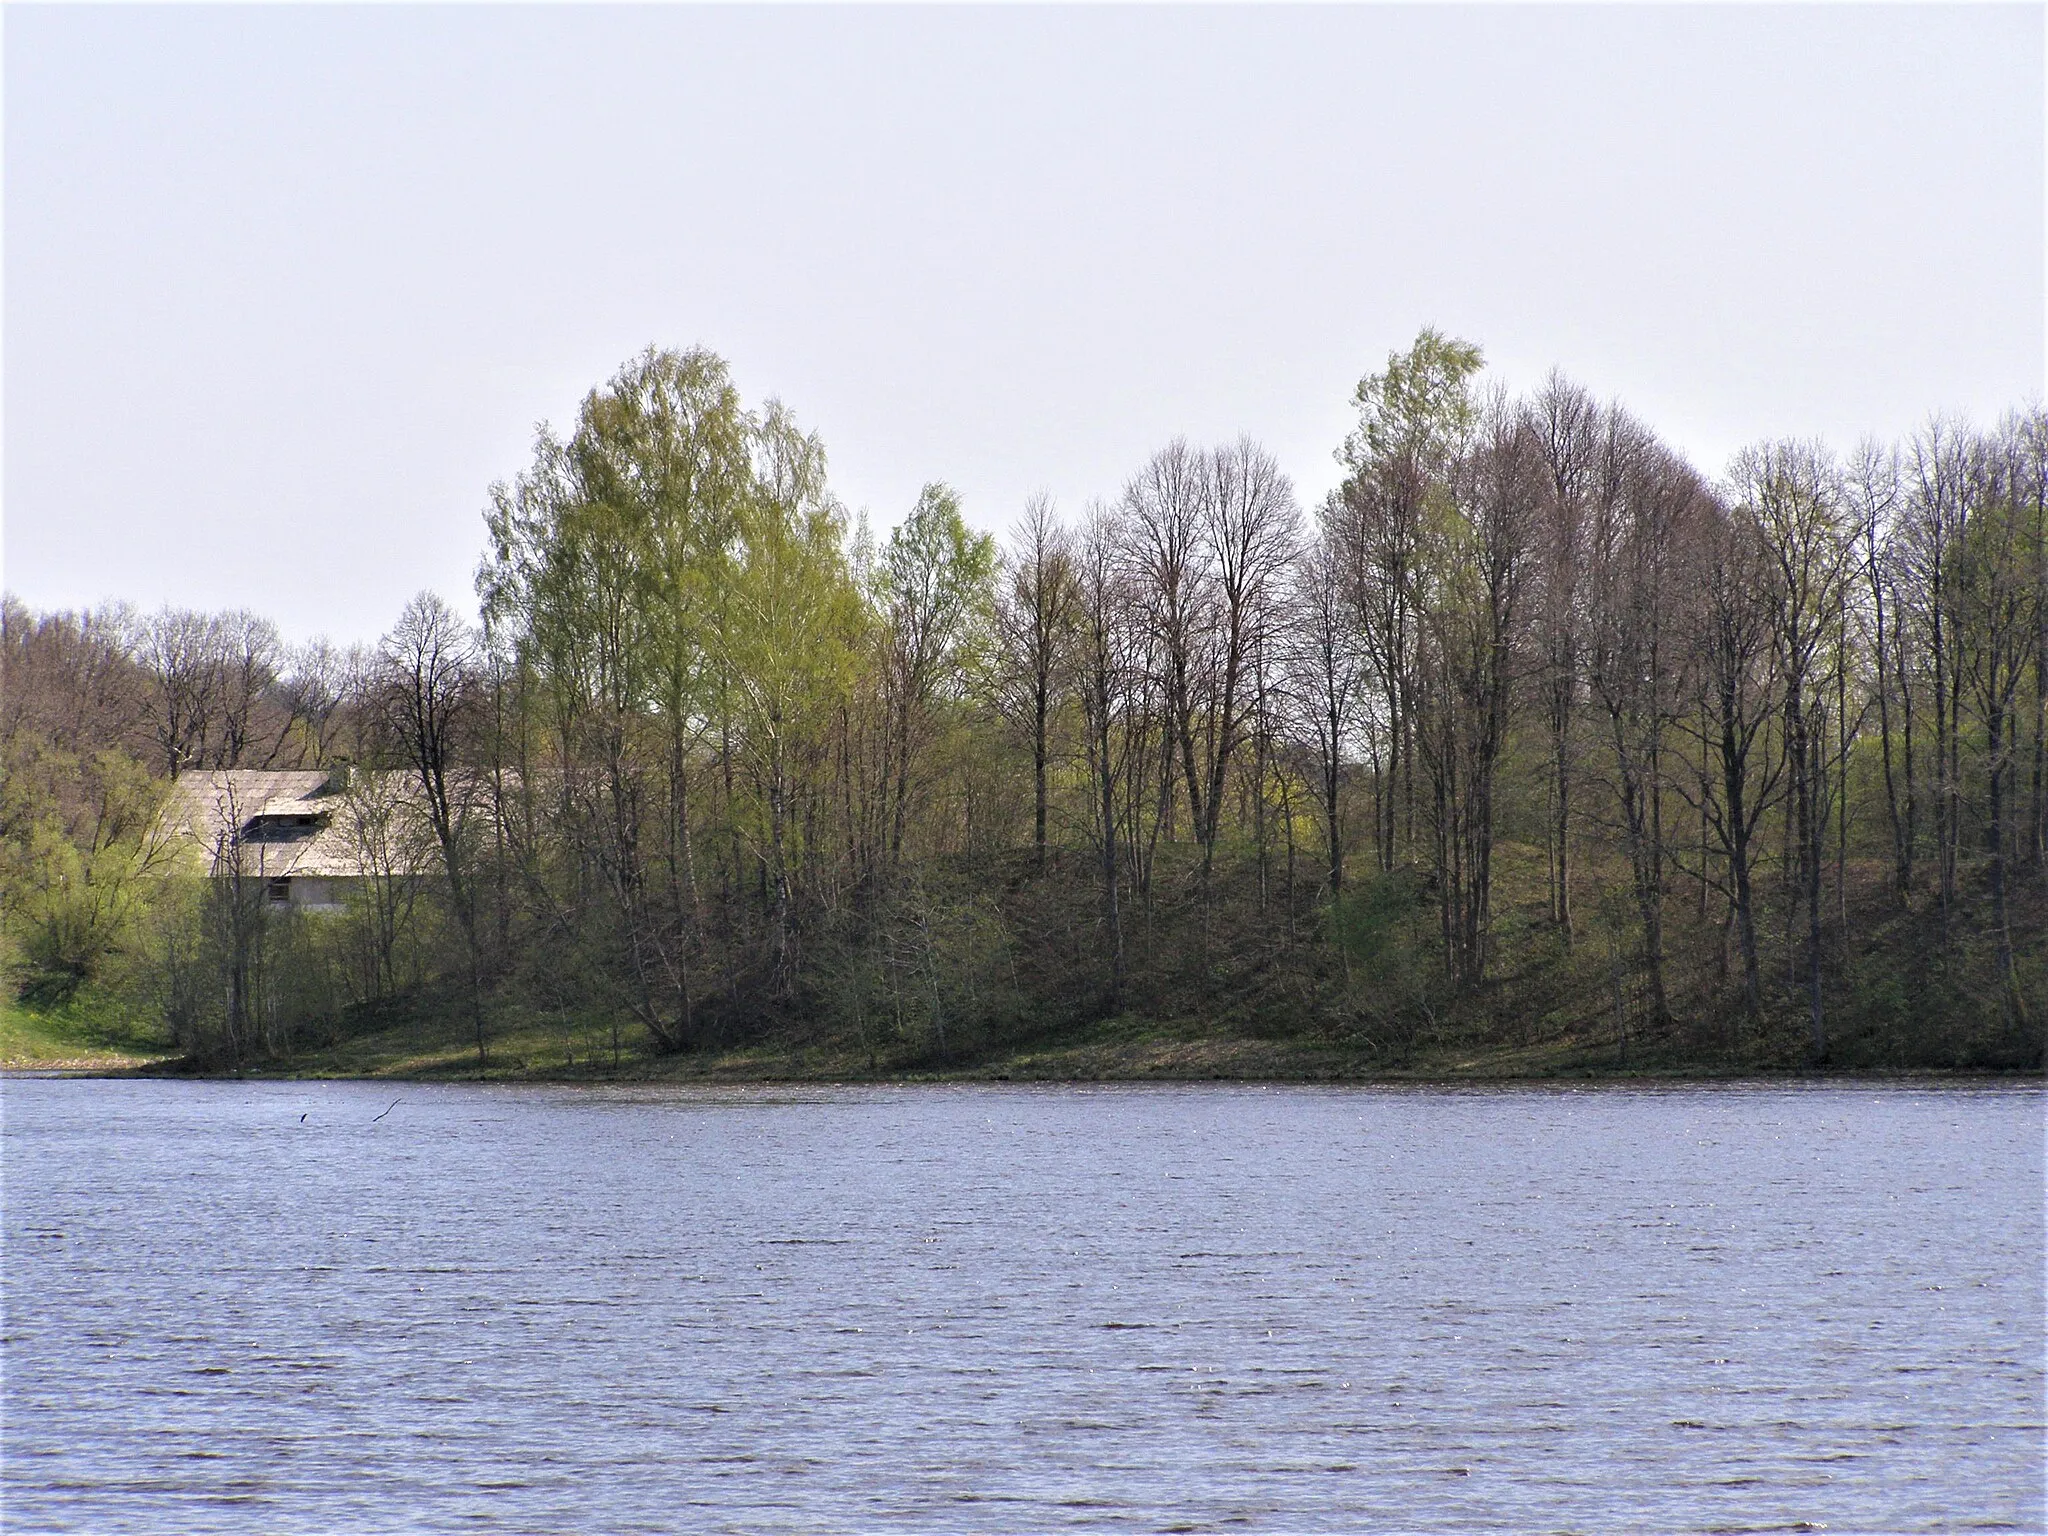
307,834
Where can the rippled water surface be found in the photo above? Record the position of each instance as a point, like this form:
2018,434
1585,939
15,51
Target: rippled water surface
263,1307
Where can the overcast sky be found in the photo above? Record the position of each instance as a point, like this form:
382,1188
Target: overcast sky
286,288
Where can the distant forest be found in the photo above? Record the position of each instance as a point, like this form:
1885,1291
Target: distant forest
1530,731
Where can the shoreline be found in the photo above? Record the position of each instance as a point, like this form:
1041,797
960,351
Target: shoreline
176,1071
1121,1050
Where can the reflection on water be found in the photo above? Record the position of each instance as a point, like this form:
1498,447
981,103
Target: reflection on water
253,1307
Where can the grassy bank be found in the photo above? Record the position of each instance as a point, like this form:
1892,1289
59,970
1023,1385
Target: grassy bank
1122,1049
1115,1050
433,1045
89,1033
1226,979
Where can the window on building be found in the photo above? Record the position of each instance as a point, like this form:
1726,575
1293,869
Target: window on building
280,890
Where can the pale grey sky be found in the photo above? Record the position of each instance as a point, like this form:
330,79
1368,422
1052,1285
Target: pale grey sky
287,288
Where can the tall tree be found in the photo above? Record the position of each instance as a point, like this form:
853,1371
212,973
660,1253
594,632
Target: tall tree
1873,487
1166,508
1566,425
1935,524
937,584
1740,766
1103,666
1646,505
1793,492
1324,676
1036,620
1250,532
1480,557
791,628
1996,592
427,698
1412,419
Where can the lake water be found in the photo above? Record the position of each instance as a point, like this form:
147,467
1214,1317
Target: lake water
302,1307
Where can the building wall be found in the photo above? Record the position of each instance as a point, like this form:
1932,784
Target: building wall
323,894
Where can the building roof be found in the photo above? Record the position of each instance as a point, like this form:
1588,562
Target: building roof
258,813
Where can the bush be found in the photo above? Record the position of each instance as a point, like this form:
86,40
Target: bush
1384,930
234,978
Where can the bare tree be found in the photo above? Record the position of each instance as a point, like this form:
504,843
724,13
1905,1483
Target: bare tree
1166,506
1740,766
938,581
1103,672
1480,570
1647,505
1566,424
391,843
1793,492
213,674
320,689
1250,520
1996,593
1036,619
426,700
1934,526
1873,487
70,679
1324,675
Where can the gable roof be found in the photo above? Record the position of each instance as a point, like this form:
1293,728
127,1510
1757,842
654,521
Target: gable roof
286,822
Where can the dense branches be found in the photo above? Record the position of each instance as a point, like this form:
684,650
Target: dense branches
1527,685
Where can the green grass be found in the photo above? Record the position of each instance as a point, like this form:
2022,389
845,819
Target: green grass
1239,989
1126,1048
85,1034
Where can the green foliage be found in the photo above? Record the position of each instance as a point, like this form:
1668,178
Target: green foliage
937,579
1421,406
232,978
789,621
1383,928
732,783
927,977
1904,999
96,1026
618,560
78,844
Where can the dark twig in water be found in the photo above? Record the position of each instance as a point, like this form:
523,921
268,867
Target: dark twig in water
394,1104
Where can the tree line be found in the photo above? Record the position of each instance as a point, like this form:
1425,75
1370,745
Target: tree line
1528,725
